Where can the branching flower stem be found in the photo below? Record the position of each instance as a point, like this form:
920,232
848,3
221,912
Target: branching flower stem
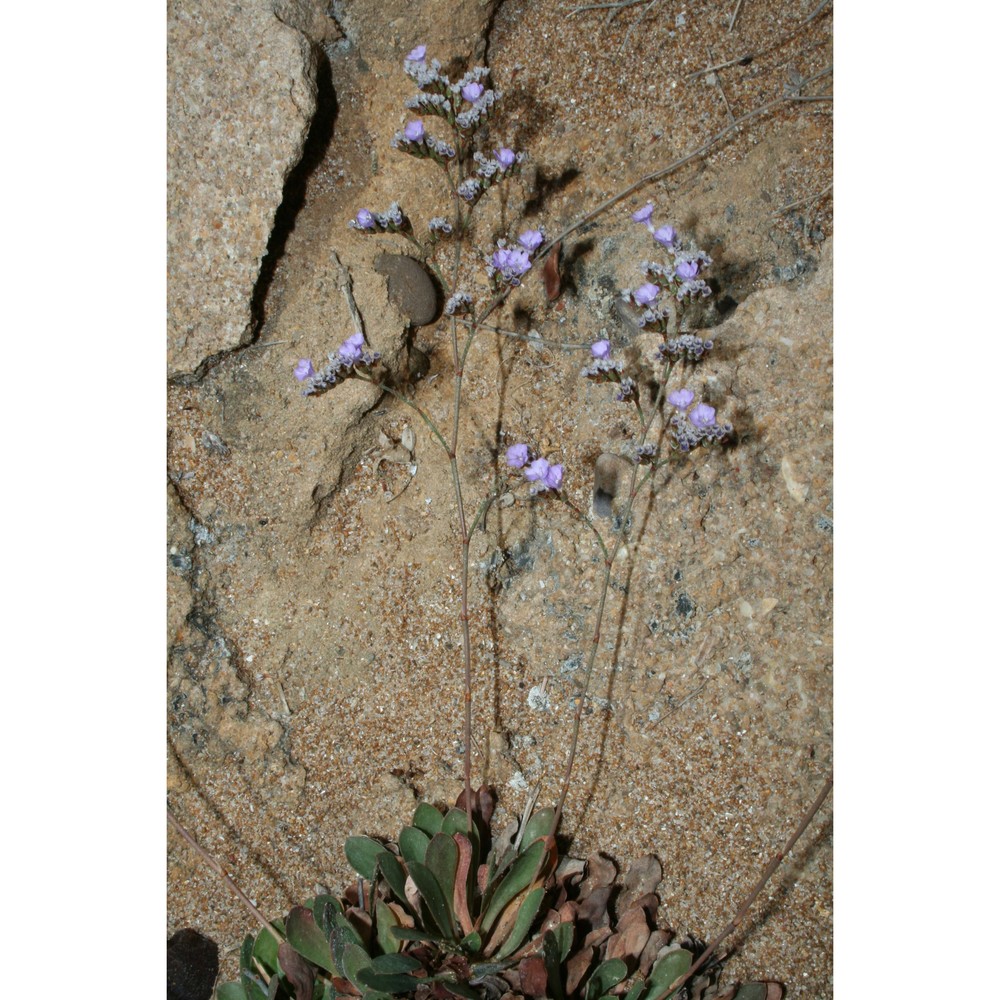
635,486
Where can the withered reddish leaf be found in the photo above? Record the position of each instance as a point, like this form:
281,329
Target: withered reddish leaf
601,871
629,941
597,937
460,903
487,801
644,876
533,975
657,940
576,969
550,273
649,904
593,909
298,971
345,987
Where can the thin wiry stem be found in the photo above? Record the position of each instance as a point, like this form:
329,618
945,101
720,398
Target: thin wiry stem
757,889
635,486
224,875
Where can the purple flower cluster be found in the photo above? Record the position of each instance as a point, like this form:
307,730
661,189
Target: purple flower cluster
539,472
511,263
693,426
681,280
687,346
391,221
604,368
345,362
416,141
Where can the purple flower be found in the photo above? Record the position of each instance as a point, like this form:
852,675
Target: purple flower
517,456
531,239
417,54
553,477
687,269
350,350
304,369
414,131
364,219
702,415
472,92
644,213
666,235
601,349
645,294
681,398
511,264
536,471
505,157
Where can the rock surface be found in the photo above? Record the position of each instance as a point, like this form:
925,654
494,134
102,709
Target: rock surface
241,94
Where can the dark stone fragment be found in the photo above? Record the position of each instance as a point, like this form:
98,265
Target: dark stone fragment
411,288
192,965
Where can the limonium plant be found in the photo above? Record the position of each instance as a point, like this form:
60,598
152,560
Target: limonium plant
454,907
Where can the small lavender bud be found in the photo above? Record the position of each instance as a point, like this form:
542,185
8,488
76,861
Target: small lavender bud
460,302
532,239
645,293
517,456
666,235
644,214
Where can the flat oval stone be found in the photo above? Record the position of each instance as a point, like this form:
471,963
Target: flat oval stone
411,289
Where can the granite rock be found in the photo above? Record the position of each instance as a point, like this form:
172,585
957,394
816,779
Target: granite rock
241,94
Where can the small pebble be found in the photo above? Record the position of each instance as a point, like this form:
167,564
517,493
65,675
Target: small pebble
411,289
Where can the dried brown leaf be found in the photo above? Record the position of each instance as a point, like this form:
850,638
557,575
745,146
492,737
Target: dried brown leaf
576,969
298,971
533,975
643,877
593,909
658,939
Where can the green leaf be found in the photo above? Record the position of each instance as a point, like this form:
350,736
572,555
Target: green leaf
563,934
362,853
457,821
341,936
355,960
636,991
324,918
231,991
415,934
520,876
553,964
455,987
390,964
604,977
253,986
525,915
438,906
308,940
388,983
442,860
413,844
428,819
385,920
752,991
265,948
665,971
538,826
392,871
472,943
